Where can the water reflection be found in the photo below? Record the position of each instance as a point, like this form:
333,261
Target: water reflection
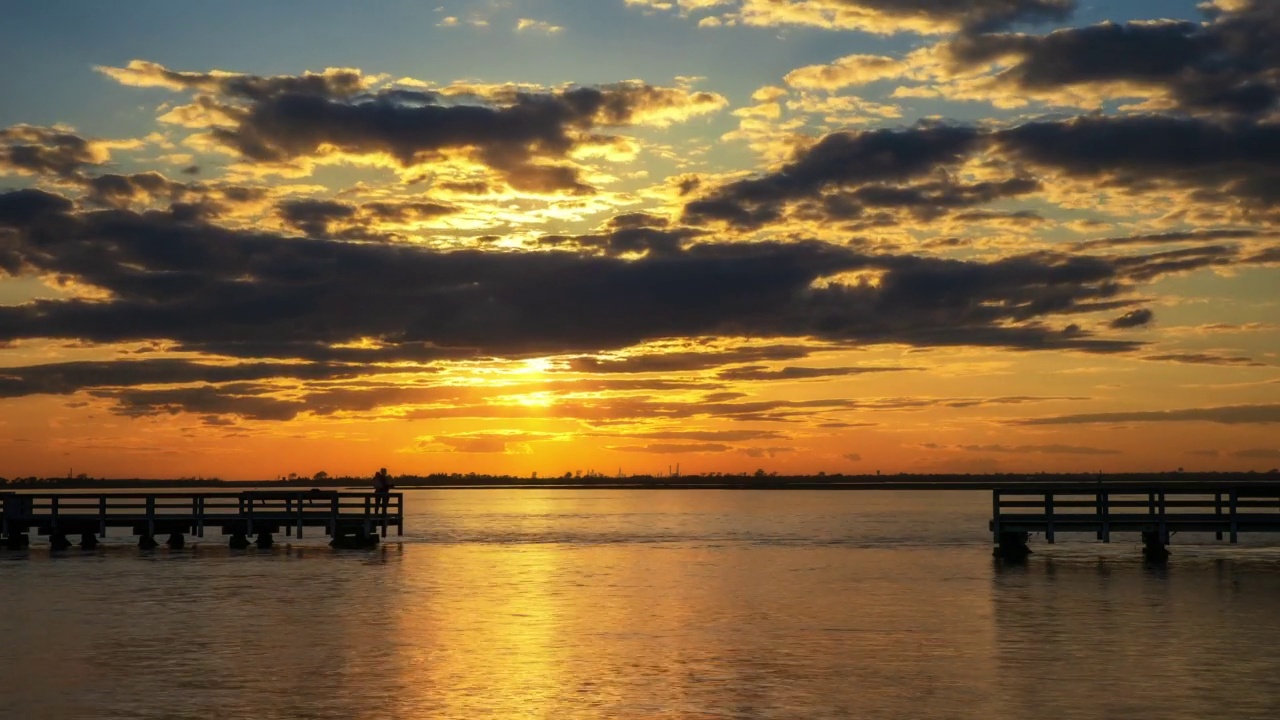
1097,637
581,605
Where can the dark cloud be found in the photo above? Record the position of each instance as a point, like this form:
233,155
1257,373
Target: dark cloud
1229,65
674,448
1052,449
1226,415
333,218
1133,319
34,150
708,435
208,400
1180,236
70,377
892,16
1258,454
880,177
875,162
761,372
673,362
627,240
1232,166
526,136
1205,359
256,294
114,190
973,15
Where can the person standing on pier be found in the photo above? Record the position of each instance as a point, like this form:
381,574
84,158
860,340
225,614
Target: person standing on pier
381,490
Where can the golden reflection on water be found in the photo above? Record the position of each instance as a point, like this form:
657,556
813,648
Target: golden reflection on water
648,605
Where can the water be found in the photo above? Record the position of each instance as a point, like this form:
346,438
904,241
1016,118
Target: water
647,604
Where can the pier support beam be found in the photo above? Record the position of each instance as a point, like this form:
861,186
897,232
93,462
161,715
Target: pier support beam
239,541
1155,546
176,541
264,541
88,541
17,541
1012,545
58,541
358,540
147,542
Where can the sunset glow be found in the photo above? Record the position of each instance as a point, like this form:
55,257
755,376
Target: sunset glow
800,236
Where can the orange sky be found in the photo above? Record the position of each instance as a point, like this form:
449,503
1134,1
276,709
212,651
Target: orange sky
802,237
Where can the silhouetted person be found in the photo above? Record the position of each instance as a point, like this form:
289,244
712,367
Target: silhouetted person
381,490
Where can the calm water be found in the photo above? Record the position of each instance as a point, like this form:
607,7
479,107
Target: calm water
657,604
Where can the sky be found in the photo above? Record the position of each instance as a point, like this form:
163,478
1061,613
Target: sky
625,236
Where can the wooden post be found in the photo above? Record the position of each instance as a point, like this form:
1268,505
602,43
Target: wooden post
199,501
368,530
1235,520
1048,517
1164,524
151,516
333,521
53,514
102,516
1106,515
300,516
1217,510
995,516
400,514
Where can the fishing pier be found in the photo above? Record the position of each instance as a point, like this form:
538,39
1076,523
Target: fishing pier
350,519
1155,512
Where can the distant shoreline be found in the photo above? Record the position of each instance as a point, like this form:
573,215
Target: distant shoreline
693,482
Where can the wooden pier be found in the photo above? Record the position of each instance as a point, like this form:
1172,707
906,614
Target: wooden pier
1154,512
351,519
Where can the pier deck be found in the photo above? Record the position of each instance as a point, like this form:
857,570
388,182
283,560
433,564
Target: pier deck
1156,512
350,518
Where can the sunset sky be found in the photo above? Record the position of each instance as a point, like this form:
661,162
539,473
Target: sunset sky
244,240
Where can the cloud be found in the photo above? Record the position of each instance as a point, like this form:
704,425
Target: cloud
334,218
852,457
760,372
1205,359
716,435
673,448
848,70
69,377
249,293
1229,65
673,362
35,150
336,115
1258,454
531,25
867,160
1132,319
1052,449
885,17
1231,166
1227,168
500,441
1225,415
205,400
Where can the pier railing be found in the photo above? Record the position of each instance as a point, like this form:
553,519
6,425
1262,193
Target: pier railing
1160,510
248,512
